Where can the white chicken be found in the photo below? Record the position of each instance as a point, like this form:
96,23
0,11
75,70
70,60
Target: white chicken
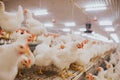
90,76
83,58
9,59
60,60
44,58
101,73
22,35
33,25
24,62
41,51
110,74
24,58
85,54
10,21
41,48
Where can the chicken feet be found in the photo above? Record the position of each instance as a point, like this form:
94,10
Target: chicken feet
68,73
61,74
77,67
20,73
40,71
65,73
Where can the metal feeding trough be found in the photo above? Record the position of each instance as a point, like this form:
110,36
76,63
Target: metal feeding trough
33,45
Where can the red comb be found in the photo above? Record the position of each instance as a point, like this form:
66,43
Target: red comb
29,61
25,11
62,46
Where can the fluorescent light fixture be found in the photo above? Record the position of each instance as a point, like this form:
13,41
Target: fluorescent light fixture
76,32
40,12
109,29
48,24
105,23
82,29
115,37
70,24
95,7
66,29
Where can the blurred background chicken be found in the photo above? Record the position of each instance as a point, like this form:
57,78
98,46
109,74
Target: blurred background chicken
22,35
33,25
10,21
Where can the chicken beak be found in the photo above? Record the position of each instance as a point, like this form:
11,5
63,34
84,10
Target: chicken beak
30,39
28,65
62,47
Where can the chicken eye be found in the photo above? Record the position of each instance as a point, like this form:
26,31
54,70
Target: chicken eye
25,61
30,36
21,32
21,47
2,34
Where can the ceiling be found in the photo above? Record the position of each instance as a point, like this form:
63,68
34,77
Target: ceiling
72,10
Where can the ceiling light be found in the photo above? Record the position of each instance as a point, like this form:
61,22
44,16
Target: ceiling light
82,29
105,23
40,12
66,29
48,24
76,32
70,24
95,7
109,29
115,37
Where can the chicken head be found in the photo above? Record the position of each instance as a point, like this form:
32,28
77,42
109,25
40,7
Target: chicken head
26,62
22,49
